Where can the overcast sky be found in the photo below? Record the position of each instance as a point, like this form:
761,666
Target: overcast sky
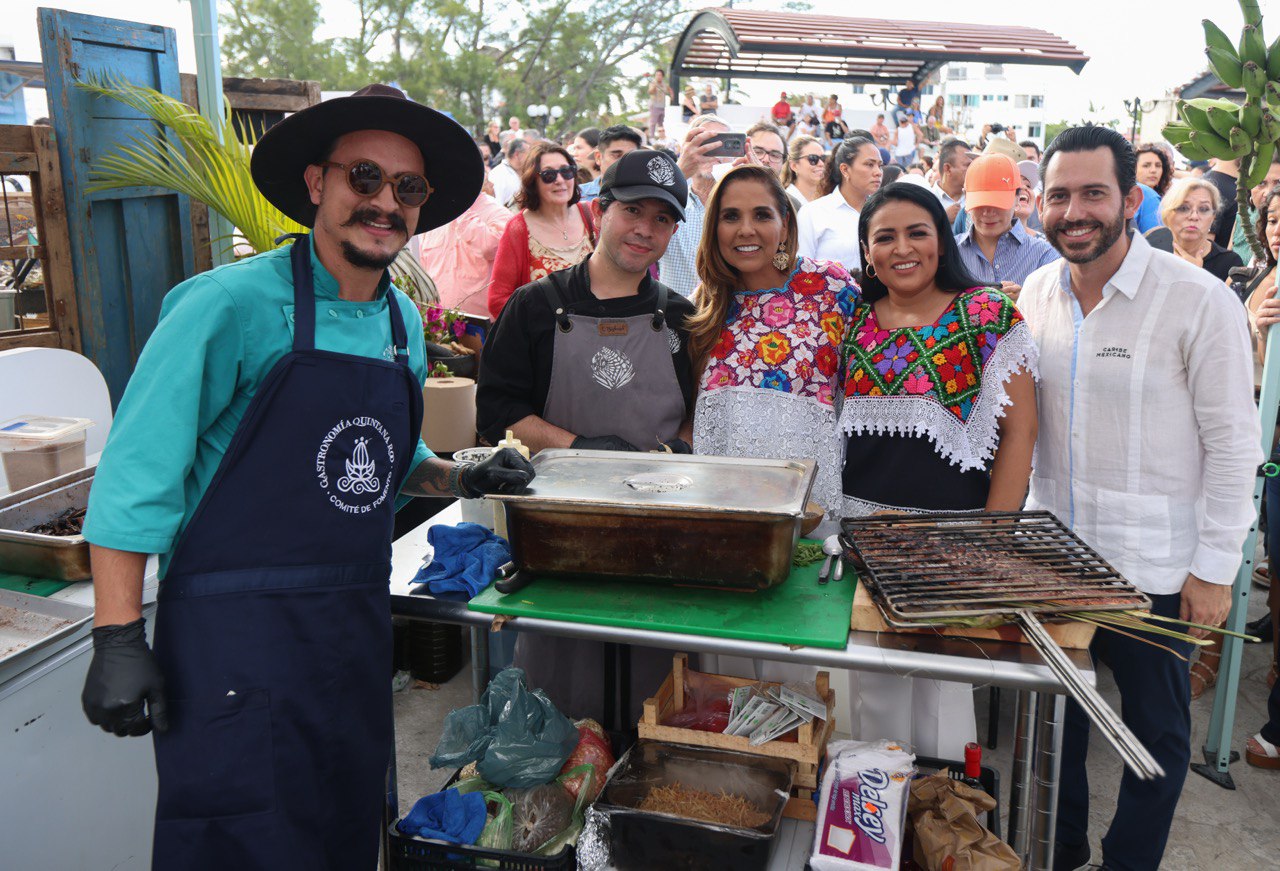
1138,47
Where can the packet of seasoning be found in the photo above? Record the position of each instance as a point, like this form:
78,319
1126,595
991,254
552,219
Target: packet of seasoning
802,697
756,712
737,698
782,722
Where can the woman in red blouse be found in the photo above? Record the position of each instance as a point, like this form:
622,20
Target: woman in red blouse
552,231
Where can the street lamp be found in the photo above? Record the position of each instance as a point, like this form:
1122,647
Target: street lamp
1135,108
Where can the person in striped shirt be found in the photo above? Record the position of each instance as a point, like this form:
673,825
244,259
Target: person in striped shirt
997,250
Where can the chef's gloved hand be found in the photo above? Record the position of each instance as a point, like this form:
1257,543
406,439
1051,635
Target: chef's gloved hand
122,677
602,443
677,446
503,471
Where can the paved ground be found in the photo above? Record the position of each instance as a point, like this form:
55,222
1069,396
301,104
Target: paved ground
1214,829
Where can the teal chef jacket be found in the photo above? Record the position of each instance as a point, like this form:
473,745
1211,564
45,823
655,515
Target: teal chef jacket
219,335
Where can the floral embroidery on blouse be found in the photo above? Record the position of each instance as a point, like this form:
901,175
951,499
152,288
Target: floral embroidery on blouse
945,380
786,338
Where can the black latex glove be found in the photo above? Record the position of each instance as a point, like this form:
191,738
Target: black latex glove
122,676
503,471
678,446
602,443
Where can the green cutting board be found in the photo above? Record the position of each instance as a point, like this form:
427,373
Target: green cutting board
31,586
797,611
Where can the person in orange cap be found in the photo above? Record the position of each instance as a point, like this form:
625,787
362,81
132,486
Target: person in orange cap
997,249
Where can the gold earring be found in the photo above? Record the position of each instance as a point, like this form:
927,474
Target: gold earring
781,261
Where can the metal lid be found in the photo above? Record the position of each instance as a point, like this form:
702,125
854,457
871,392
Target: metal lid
679,481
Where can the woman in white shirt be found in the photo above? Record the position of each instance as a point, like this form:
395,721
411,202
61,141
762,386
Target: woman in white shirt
805,173
829,224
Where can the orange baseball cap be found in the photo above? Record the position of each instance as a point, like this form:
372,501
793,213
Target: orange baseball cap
992,180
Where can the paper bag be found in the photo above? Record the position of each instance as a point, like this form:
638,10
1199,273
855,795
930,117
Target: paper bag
948,835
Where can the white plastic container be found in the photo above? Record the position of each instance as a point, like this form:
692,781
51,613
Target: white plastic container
475,510
36,448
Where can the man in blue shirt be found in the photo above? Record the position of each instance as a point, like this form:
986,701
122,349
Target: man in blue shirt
271,423
614,142
906,97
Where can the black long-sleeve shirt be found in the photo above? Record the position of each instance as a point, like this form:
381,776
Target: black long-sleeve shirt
515,365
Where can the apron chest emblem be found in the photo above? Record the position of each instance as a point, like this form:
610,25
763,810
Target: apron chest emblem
612,369
673,340
613,328
349,462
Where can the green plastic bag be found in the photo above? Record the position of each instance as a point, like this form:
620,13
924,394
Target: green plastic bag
570,834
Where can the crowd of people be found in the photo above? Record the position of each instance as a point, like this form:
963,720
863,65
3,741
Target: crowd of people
886,302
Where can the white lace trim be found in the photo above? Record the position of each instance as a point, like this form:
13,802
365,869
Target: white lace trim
772,425
967,445
854,507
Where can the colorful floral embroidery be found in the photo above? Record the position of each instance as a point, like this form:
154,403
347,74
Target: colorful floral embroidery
789,338
946,380
943,359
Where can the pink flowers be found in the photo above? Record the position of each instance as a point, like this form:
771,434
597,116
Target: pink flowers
983,309
918,382
778,312
719,376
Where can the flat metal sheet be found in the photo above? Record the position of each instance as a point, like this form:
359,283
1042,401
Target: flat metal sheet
617,479
30,623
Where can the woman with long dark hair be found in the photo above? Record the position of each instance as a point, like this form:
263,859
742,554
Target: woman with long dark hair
1154,168
828,226
766,342
940,416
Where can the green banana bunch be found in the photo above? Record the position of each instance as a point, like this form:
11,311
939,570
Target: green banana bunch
1176,133
1270,127
1252,48
1261,163
1250,117
1214,37
1215,146
1226,66
1273,60
1221,121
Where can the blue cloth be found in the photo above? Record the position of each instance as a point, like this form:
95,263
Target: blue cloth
1148,215
1155,689
466,559
446,816
589,190
1017,256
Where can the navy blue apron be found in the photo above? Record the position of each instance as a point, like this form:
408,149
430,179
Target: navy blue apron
274,628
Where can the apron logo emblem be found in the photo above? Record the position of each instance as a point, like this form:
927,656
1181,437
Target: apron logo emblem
613,328
673,339
348,461
360,476
612,369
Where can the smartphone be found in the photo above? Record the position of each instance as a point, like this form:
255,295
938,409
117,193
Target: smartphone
731,145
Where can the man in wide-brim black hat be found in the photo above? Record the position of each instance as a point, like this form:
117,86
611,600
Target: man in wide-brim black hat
271,424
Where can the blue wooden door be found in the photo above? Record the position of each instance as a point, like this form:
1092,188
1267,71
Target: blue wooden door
128,246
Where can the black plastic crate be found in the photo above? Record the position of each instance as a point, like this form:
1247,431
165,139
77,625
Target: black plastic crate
988,777
431,652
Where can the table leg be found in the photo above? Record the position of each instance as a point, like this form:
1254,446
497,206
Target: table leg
610,686
479,661
1023,762
1050,710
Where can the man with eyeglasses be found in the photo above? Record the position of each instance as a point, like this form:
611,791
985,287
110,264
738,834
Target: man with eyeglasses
768,146
268,431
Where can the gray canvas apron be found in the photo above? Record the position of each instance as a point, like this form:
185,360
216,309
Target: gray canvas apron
609,376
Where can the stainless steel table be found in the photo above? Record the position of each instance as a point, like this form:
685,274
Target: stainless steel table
1040,703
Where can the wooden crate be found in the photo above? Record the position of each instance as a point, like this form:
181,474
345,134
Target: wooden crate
806,745
867,618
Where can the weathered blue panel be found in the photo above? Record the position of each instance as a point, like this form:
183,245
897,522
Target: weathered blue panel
129,246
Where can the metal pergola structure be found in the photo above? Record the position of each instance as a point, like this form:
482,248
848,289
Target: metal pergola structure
798,46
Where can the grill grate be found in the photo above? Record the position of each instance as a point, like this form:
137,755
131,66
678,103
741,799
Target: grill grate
929,567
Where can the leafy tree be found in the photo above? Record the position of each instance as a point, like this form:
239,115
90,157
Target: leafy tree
275,39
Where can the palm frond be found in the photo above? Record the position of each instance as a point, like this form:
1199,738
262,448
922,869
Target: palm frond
184,155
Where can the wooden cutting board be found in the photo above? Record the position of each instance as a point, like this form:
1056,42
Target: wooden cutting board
867,617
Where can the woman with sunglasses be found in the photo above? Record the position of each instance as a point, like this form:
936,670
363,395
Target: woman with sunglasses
805,173
553,230
829,225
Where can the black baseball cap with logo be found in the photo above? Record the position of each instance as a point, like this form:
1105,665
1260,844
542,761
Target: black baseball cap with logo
645,174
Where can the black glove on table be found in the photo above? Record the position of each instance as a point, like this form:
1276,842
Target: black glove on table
678,446
122,676
503,471
602,443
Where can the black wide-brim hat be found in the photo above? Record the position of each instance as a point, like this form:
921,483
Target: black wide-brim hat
452,163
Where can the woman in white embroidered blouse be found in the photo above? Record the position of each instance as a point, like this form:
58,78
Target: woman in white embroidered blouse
940,410
766,340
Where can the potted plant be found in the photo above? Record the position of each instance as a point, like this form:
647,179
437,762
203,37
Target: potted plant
443,328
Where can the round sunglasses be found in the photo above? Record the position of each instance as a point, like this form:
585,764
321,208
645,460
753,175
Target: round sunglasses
366,179
565,172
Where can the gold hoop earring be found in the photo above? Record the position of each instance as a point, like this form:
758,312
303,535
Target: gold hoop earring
869,271
781,261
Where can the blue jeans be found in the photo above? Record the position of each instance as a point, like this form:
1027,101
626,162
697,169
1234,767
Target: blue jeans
1155,693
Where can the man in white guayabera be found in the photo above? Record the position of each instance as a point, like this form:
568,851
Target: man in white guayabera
594,357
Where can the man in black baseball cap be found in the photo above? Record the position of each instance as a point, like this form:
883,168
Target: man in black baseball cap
594,357
271,423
